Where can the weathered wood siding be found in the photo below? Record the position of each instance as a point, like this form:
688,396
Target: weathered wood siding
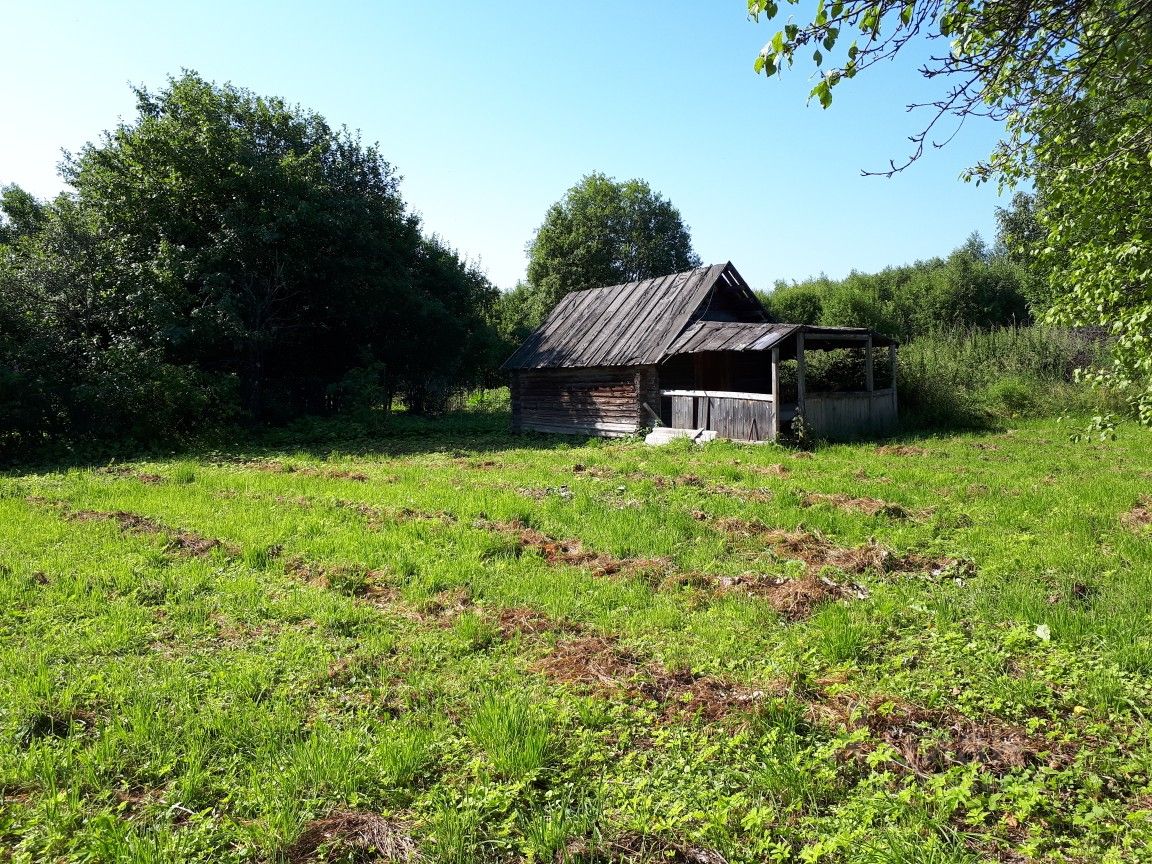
581,401
848,415
738,416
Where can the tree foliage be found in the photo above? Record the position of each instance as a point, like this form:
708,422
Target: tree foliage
604,232
974,287
225,255
1071,80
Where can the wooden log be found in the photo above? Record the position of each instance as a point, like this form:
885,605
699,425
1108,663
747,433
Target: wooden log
892,362
868,382
800,374
775,393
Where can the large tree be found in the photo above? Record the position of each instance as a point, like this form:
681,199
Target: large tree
605,232
1071,80
221,253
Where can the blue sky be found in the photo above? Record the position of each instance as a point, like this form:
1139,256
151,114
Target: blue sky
491,111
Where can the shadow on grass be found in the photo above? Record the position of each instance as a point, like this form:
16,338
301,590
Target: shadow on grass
464,432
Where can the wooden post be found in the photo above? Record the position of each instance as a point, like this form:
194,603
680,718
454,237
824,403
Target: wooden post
800,373
892,361
868,381
776,393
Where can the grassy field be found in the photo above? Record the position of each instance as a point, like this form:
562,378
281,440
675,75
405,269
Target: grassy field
458,646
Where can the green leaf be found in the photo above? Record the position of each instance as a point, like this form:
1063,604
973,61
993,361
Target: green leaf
818,57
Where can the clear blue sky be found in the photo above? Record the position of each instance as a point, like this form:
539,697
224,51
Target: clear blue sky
490,111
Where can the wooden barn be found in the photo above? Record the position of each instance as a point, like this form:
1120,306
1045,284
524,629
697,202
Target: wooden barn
690,351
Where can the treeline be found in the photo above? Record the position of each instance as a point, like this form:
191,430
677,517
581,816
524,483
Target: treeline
226,257
976,286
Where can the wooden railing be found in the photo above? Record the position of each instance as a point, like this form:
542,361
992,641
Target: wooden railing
739,416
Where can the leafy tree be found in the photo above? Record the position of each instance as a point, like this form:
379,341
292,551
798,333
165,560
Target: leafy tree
225,253
797,304
972,288
1020,240
604,232
1070,80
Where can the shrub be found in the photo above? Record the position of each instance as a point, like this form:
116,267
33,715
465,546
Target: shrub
971,377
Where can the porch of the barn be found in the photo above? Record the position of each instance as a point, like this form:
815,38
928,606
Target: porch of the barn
726,378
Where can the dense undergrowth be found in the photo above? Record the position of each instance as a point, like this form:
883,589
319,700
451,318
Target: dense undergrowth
465,647
977,377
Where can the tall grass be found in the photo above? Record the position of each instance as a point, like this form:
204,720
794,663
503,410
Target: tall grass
971,377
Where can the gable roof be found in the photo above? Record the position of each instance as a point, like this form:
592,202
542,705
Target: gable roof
623,325
643,323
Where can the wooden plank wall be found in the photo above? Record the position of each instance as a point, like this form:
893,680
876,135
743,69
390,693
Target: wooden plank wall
849,415
727,416
579,401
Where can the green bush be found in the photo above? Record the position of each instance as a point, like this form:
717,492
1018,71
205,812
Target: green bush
975,376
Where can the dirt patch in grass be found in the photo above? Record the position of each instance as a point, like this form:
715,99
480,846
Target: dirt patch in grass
793,599
928,740
132,474
626,846
901,450
759,496
539,493
599,664
571,552
307,471
868,506
772,470
180,541
593,470
691,481
817,552
1139,518
359,582
356,835
524,621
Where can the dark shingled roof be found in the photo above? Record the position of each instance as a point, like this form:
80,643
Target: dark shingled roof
642,323
619,325
730,336
735,336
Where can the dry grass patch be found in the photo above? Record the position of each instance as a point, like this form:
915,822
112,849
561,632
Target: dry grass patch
817,552
793,599
358,836
180,541
599,664
776,470
1139,518
868,506
571,552
901,450
928,740
132,474
524,621
627,846
306,471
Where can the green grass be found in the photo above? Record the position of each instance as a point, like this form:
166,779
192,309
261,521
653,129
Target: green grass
375,638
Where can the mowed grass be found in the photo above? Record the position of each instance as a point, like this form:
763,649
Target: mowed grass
484,648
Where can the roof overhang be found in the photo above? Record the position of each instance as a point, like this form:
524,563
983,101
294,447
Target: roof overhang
705,336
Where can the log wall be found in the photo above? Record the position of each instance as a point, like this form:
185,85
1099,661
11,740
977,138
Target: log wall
605,401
